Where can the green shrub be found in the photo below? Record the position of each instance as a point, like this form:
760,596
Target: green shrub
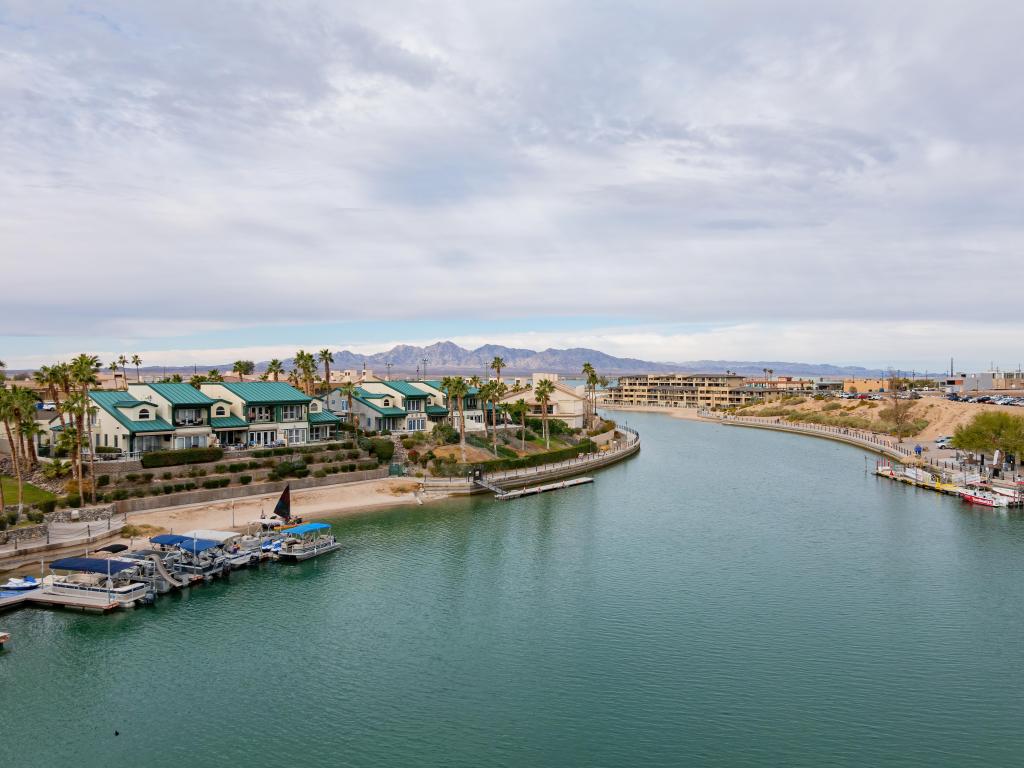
245,479
320,473
301,472
107,449
831,407
366,465
131,477
382,449
74,500
348,444
147,477
255,465
184,456
48,505
168,489
34,516
166,476
238,467
408,443
216,482
220,468
444,434
11,516
102,480
3,522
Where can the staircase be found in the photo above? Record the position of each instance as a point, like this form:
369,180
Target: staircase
401,456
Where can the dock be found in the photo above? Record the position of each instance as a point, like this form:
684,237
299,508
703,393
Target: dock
12,599
521,492
38,597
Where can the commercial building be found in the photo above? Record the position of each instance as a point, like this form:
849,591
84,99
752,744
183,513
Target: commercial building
682,390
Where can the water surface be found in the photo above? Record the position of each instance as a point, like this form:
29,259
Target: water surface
730,597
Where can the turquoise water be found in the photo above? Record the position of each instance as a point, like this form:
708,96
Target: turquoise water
729,597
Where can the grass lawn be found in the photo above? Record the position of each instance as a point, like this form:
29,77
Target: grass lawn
33,495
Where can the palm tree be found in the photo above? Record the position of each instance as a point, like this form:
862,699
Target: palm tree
542,394
243,368
9,415
275,368
325,357
197,380
113,369
348,390
176,378
137,361
214,376
498,389
122,361
590,377
496,365
305,367
83,373
485,393
71,435
457,388
520,409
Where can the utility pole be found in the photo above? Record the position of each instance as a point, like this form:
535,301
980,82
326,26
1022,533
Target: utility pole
388,366
424,361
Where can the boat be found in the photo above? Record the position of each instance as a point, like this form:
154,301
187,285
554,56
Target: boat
21,585
199,559
239,550
984,498
307,540
281,518
4,637
92,582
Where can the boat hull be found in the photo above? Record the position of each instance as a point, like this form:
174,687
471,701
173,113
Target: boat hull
306,554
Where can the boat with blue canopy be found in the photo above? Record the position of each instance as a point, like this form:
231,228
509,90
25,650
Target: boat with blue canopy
96,582
307,540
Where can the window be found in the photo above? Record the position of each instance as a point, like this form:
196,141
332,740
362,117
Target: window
414,405
387,403
187,417
221,411
115,441
190,441
293,436
258,413
291,412
143,414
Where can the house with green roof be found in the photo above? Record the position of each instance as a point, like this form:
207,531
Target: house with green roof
270,413
397,406
471,405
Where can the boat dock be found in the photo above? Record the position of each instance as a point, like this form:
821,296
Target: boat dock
11,599
521,492
38,597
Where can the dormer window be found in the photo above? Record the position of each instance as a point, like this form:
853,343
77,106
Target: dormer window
143,414
221,411
387,403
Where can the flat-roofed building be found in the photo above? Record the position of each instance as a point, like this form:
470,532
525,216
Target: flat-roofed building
682,390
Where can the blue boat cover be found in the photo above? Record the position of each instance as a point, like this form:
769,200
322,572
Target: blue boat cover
91,565
169,539
195,546
302,530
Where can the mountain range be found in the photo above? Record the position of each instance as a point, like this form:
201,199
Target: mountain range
446,357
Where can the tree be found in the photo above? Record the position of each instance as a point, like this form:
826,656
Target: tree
542,393
137,361
520,409
485,393
990,431
243,368
348,391
496,365
305,370
325,357
9,417
498,390
214,376
114,369
197,380
457,389
83,373
275,368
590,381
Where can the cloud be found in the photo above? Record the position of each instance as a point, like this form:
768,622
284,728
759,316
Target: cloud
170,169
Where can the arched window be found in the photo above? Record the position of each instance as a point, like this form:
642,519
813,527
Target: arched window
143,414
220,410
387,403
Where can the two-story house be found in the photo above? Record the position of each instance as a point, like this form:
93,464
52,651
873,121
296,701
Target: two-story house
270,412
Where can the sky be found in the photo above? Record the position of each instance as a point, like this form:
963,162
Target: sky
201,181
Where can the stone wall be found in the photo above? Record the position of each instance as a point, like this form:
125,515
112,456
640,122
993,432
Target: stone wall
15,535
84,515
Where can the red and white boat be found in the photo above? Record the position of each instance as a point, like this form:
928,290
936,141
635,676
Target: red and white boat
984,498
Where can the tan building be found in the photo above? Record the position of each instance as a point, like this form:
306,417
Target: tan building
566,403
682,390
865,386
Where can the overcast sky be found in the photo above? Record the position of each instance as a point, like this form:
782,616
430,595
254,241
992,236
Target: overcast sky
813,181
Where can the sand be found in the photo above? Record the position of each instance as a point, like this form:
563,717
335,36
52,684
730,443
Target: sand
328,501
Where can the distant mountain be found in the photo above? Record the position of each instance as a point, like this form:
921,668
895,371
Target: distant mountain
446,357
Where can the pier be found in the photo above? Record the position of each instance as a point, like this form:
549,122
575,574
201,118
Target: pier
521,492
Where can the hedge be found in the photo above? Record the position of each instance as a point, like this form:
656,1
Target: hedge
184,456
552,457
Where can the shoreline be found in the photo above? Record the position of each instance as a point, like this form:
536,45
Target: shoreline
331,502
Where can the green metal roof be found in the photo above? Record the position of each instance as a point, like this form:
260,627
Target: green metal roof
406,389
382,410
181,394
229,422
266,392
435,383
131,402
367,395
323,417
108,402
437,410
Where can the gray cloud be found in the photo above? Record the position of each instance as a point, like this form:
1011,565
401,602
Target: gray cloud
668,161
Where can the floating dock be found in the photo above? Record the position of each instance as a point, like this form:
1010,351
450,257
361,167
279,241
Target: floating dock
520,493
11,599
38,597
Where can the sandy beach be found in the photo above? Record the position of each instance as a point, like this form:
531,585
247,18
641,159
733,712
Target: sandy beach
325,502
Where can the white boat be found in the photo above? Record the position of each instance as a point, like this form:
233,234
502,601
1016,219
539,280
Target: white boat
4,637
984,498
308,540
21,585
95,583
